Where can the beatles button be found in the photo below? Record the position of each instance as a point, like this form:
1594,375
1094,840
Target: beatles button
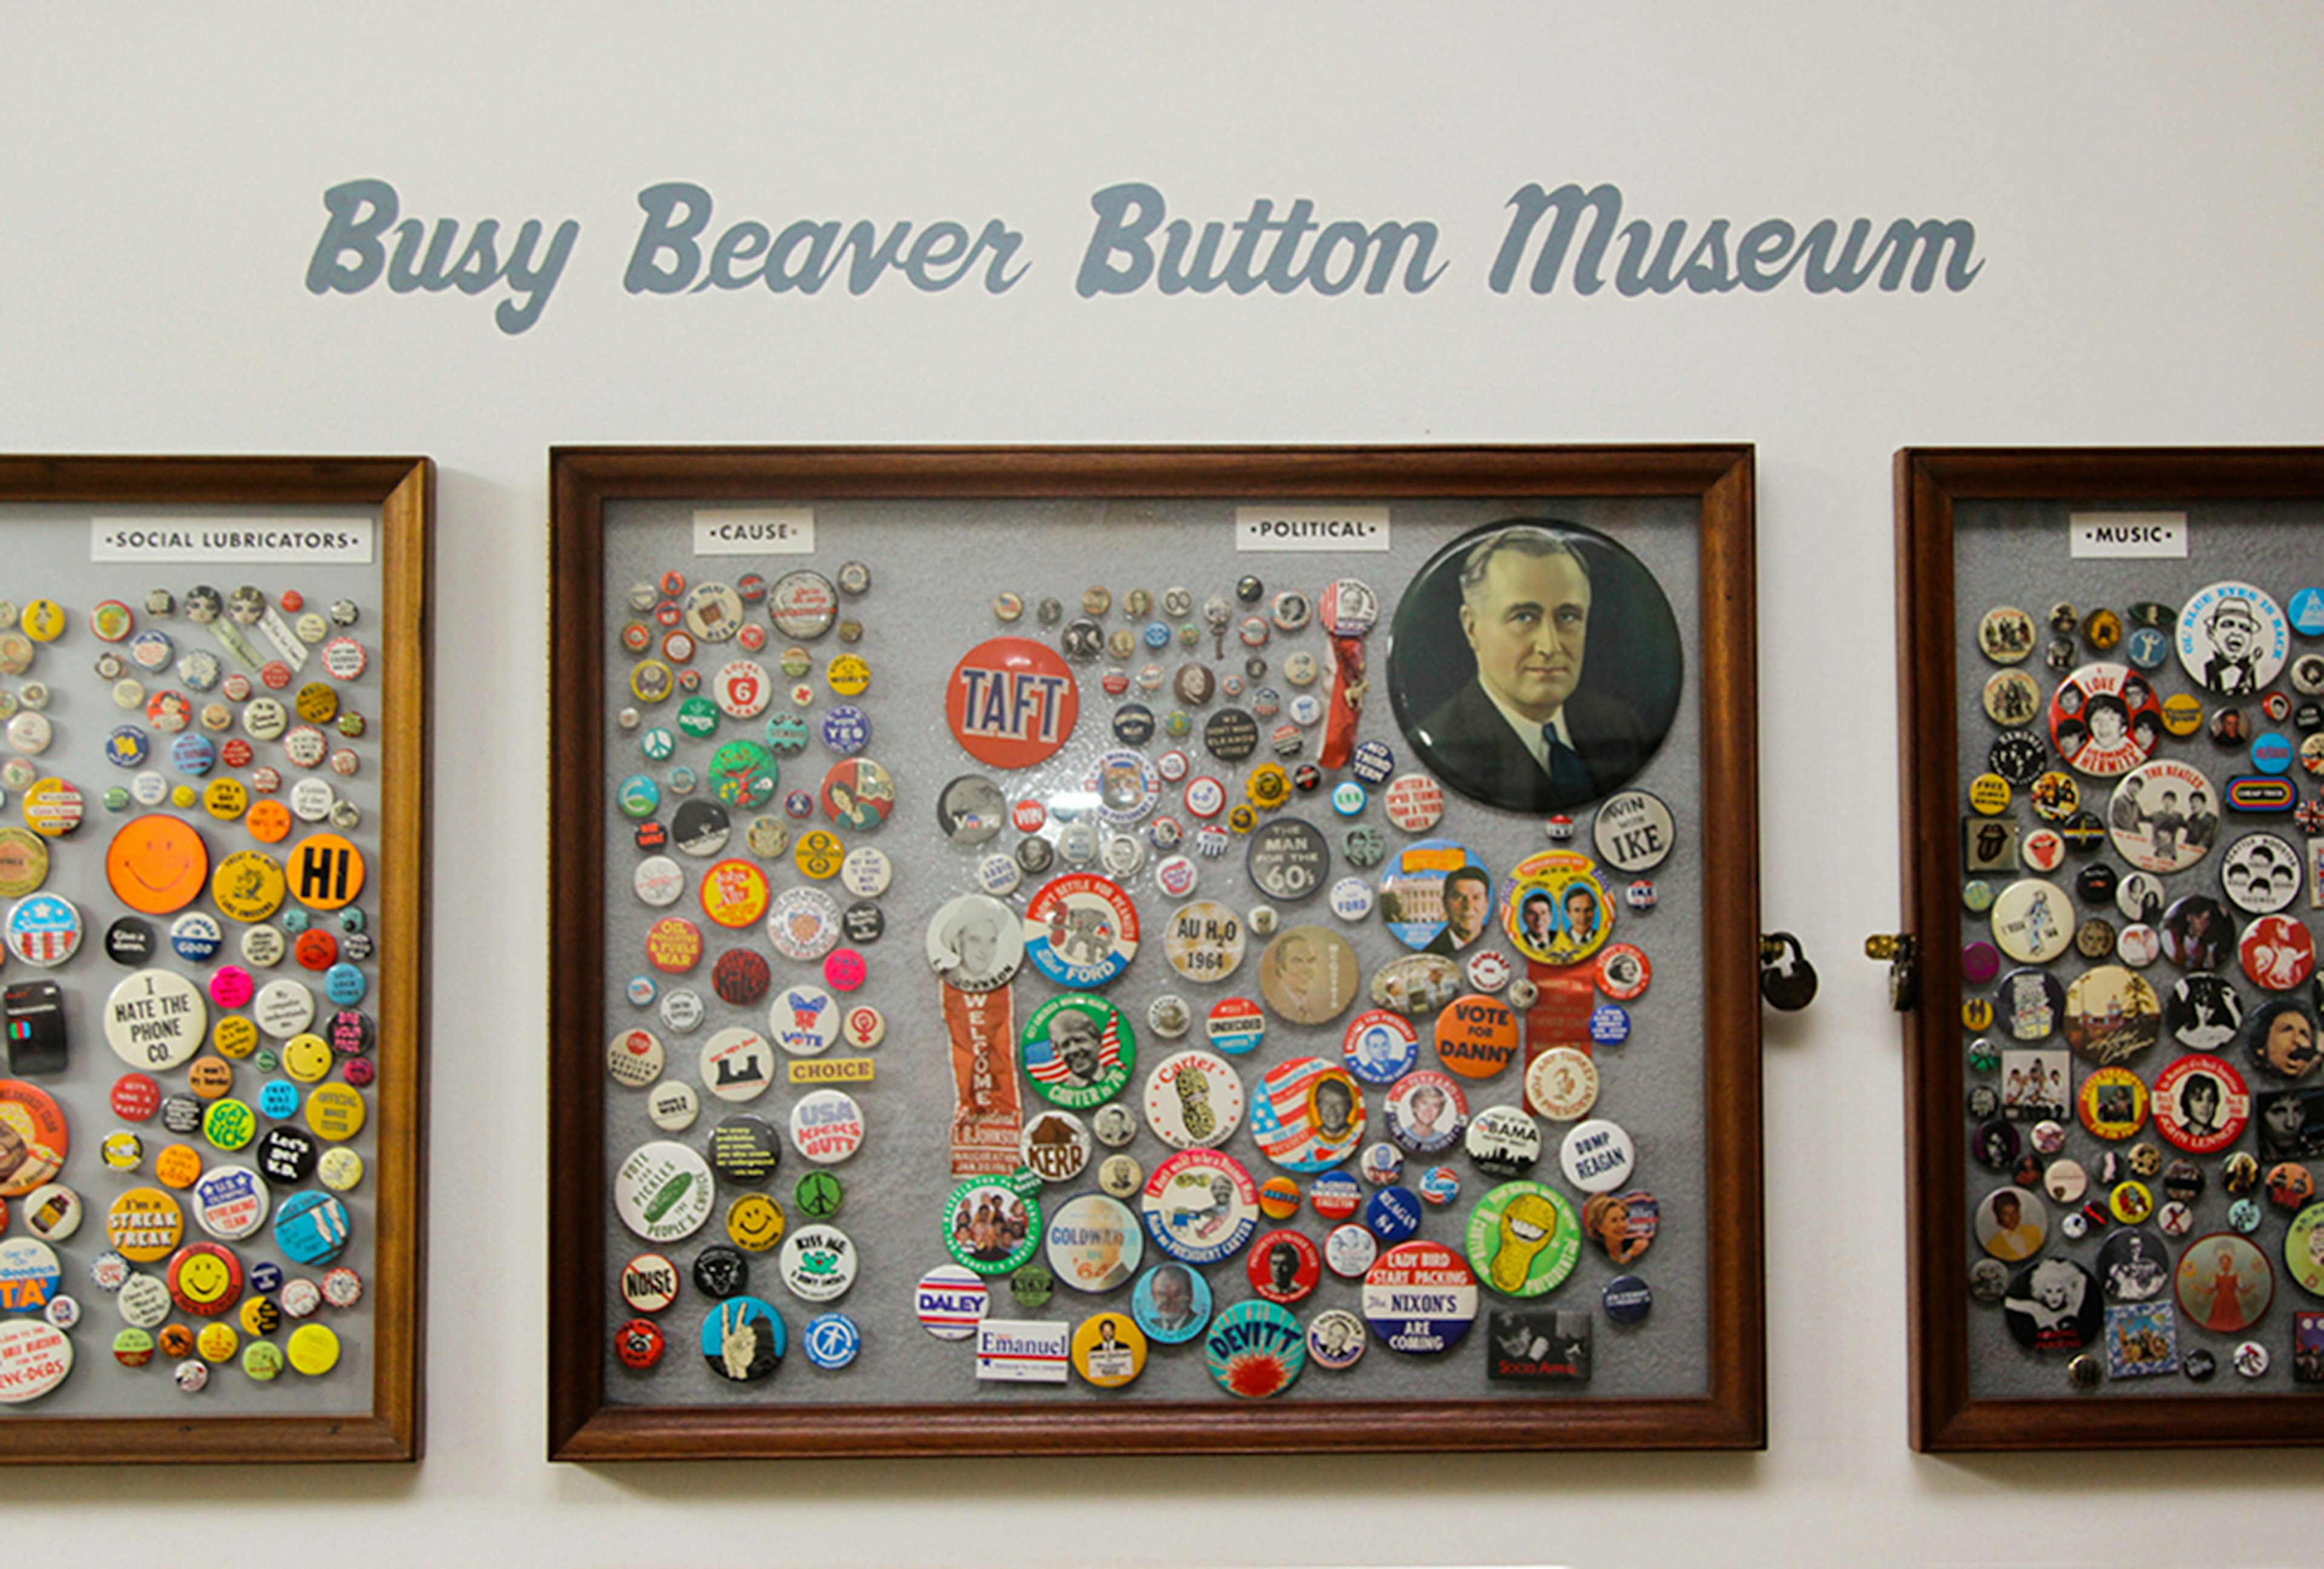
2200,1103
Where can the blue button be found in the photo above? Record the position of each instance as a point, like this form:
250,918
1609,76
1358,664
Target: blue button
310,1228
787,733
193,754
278,1099
127,746
2271,753
638,796
1629,1299
1608,1025
1392,1215
2307,611
344,984
266,1277
830,1340
846,728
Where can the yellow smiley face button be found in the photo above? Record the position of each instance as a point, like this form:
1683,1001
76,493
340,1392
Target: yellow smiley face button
306,1058
205,1278
755,1222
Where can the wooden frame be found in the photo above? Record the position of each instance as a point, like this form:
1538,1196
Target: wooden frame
401,490
1930,483
586,1424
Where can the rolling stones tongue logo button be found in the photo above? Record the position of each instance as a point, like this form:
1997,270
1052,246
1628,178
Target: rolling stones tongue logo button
1012,702
1080,931
1420,1299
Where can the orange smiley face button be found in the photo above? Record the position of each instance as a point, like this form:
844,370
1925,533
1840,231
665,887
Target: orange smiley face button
157,864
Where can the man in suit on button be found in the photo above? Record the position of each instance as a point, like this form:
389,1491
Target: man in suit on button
1520,733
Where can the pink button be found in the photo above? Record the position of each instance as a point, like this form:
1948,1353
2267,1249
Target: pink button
843,969
232,986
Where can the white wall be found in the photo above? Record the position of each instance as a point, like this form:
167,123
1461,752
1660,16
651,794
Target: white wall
2144,182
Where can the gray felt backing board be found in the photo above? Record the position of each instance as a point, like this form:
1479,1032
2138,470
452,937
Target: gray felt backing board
936,566
2017,553
48,555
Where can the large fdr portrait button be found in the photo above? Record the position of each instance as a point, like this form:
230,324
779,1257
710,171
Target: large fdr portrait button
1537,665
